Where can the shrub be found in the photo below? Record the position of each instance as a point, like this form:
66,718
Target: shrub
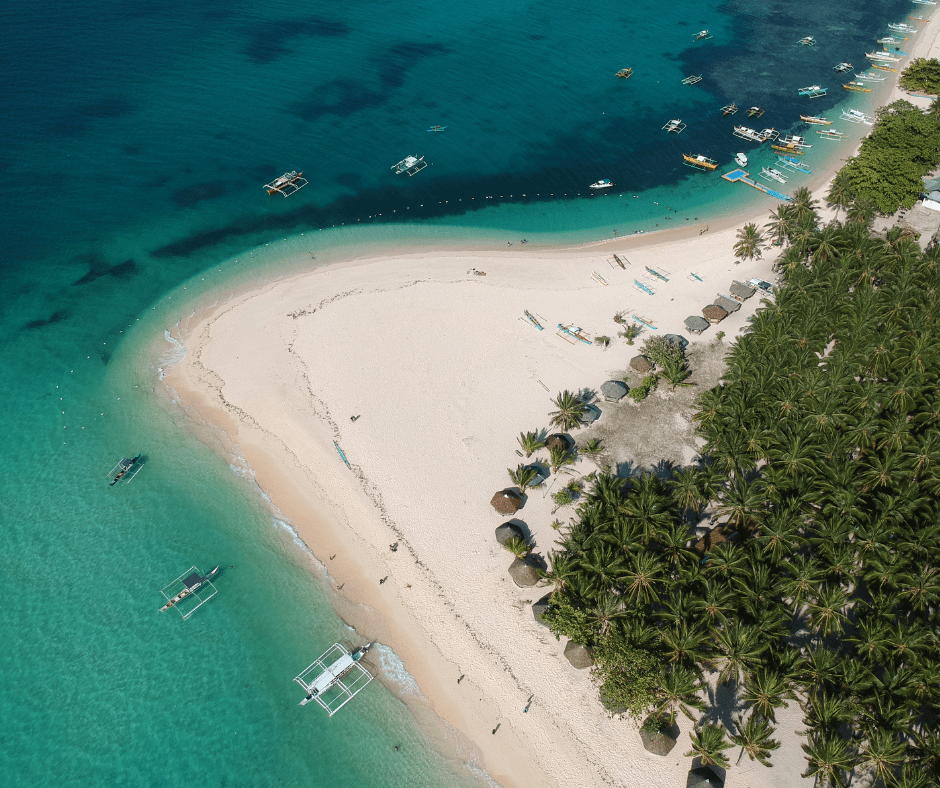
640,393
660,351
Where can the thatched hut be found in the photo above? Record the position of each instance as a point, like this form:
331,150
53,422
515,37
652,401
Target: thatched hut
712,539
579,657
507,502
696,324
714,313
659,742
538,608
676,339
523,574
614,390
559,441
728,304
703,777
640,364
740,291
507,531
591,414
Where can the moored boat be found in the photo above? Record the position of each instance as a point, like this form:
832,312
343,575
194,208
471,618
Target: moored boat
812,91
624,73
410,165
842,67
870,76
699,162
729,109
856,87
855,116
745,133
741,159
882,57
675,125
794,139
692,80
815,120
807,41
789,149
770,173
830,134
286,184
702,35
437,128
755,112
602,184
884,67
191,585
901,27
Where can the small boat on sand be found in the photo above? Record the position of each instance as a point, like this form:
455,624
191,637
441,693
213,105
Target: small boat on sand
815,120
602,184
699,162
624,73
741,159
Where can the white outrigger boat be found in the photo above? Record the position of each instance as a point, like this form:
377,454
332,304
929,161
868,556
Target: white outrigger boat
741,159
410,165
771,174
855,116
870,76
602,184
794,140
702,35
807,41
830,134
335,677
191,585
675,125
901,27
286,184
882,57
745,133
125,470
692,80
813,91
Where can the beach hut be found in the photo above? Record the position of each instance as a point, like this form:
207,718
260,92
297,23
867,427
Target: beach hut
728,304
506,502
614,390
591,414
640,364
579,657
507,531
740,291
712,539
676,339
714,313
540,607
695,324
523,574
703,777
559,441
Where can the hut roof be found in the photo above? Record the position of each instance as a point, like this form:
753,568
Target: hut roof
507,531
640,364
677,339
523,574
540,607
579,657
696,324
559,440
728,304
657,743
714,313
506,501
614,390
703,777
712,539
591,414
740,290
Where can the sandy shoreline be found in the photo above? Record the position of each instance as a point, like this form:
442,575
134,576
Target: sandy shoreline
443,373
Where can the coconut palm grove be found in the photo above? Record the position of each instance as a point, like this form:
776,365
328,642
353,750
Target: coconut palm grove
796,562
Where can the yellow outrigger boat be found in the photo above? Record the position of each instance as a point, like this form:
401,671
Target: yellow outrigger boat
815,120
857,87
624,73
700,162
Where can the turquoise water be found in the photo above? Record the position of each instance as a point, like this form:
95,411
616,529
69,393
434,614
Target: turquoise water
135,142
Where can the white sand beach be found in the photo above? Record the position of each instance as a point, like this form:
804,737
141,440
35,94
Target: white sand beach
443,372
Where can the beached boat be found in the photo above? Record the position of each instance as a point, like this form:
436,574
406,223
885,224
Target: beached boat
855,116
729,109
754,112
675,125
286,184
126,469
901,27
891,41
884,67
815,120
807,41
699,162
856,87
812,91
191,584
918,18
741,159
692,80
768,173
842,67
410,165
702,35
882,57
830,134
789,149
794,139
335,677
437,128
624,73
795,165
871,76
602,184
923,2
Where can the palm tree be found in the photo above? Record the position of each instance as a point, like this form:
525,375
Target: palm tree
680,689
517,546
676,372
749,243
685,644
766,690
741,649
862,211
709,744
840,192
530,442
781,218
754,738
523,476
559,457
608,609
804,206
570,410
641,578
884,753
826,611
829,757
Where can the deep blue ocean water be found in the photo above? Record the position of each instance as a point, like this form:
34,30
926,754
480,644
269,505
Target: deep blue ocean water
134,143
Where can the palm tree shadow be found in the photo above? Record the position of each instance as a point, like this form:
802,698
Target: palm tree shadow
723,704
625,469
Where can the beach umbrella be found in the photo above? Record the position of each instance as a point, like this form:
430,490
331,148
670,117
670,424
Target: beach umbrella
640,364
507,531
591,414
523,574
540,607
613,390
579,657
506,502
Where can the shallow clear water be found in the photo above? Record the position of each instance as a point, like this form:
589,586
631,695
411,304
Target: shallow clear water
135,140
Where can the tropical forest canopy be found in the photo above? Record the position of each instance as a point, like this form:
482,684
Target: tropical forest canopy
922,74
815,579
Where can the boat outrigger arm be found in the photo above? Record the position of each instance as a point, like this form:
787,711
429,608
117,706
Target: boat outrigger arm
125,470
335,678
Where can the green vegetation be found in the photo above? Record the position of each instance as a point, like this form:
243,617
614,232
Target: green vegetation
530,442
517,546
817,582
640,393
749,244
923,75
629,332
570,410
888,171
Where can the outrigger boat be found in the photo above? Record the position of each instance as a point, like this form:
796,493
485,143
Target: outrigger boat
901,27
532,319
856,87
830,134
793,164
437,128
694,79
191,582
699,162
854,116
729,109
882,57
126,469
918,18
624,73
741,159
575,332
891,41
410,165
870,76
842,68
772,174
702,35
815,120
602,184
789,148
326,679
807,41
745,133
924,2
794,139
675,125
813,91
884,67
755,112
286,184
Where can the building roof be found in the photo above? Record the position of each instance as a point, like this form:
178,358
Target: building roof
696,324
741,290
640,364
728,304
613,390
714,313
506,501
